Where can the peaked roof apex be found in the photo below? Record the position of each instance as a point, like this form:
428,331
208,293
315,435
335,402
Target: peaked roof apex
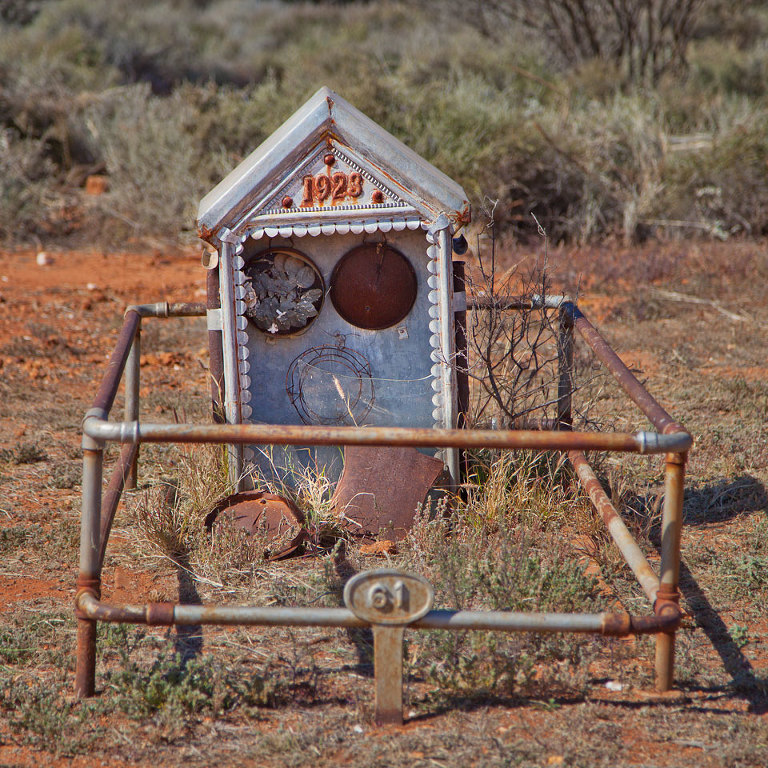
328,115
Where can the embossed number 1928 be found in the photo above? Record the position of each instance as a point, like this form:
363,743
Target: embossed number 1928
335,187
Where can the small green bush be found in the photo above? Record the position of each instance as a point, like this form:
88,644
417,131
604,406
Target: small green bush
513,568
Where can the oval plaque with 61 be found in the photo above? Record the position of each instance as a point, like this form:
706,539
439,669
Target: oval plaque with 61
388,596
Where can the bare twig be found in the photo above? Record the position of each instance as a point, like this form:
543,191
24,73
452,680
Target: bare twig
684,297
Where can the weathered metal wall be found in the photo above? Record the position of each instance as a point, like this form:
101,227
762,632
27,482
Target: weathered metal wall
399,392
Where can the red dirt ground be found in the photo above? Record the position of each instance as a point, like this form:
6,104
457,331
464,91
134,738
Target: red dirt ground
80,293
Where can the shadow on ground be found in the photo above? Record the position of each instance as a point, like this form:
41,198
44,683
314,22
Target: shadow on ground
724,500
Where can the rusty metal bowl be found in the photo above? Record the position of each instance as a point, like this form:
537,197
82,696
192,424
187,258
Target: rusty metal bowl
260,511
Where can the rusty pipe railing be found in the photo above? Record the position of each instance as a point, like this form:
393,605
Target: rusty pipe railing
669,576
132,396
536,301
636,392
97,516
215,345
119,480
156,614
94,527
110,382
619,532
105,397
281,434
667,594
169,309
565,349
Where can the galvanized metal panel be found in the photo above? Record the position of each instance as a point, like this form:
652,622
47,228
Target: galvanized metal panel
400,389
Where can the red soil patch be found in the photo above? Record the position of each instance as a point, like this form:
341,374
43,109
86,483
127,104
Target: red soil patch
17,589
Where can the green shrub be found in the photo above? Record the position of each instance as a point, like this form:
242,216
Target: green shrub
171,97
512,568
25,182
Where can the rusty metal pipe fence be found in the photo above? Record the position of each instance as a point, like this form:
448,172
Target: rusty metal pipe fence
388,601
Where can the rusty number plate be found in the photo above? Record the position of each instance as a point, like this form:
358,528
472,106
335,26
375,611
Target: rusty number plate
387,596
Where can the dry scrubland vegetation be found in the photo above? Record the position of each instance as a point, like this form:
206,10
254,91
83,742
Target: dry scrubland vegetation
168,98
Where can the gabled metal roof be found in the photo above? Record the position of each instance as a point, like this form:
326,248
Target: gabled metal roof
328,122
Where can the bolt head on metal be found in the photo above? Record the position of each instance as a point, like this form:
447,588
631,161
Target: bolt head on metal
388,596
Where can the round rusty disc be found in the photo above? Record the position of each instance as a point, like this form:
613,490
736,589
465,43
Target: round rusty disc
263,512
373,286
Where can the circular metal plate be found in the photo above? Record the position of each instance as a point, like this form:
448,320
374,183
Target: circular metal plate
262,512
373,286
387,596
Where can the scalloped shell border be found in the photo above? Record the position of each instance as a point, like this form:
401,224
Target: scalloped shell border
437,354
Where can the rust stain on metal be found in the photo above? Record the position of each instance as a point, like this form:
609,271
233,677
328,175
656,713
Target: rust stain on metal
463,218
617,624
86,586
262,512
160,614
380,487
666,598
622,624
85,659
666,620
373,286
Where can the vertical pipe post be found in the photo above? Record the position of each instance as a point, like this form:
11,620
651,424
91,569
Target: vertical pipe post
442,229
215,349
89,578
671,525
462,355
132,385
388,670
565,367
